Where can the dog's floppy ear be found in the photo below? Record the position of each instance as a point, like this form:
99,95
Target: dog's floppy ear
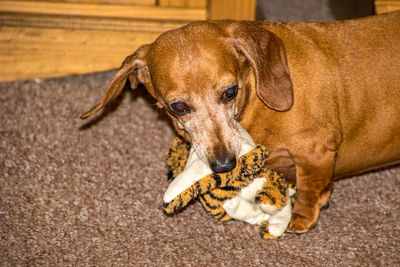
132,68
267,56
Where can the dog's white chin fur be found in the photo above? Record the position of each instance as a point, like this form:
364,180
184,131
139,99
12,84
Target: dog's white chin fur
242,207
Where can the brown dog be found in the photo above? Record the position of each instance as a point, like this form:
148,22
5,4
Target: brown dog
324,98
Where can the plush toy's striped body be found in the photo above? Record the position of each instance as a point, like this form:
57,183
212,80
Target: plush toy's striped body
274,192
215,189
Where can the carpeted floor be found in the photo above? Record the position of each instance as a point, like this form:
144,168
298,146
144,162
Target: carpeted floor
76,193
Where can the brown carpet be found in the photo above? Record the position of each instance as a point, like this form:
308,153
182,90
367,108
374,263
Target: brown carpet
90,194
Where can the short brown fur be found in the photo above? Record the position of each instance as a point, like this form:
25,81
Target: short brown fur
324,98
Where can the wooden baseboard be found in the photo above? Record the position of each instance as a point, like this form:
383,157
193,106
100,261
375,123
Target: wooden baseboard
42,52
41,39
384,6
103,10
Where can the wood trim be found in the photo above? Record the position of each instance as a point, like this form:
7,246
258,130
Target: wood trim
111,2
386,6
28,53
232,9
183,3
105,11
87,23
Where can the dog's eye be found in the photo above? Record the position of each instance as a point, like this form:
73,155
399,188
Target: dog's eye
179,108
229,94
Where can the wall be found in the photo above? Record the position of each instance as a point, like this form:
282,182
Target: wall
313,10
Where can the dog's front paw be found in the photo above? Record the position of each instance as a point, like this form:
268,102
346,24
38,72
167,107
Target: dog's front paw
300,224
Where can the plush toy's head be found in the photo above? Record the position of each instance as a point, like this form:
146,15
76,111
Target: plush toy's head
249,192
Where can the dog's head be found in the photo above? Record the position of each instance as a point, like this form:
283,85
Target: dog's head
202,75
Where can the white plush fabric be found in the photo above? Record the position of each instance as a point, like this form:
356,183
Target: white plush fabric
242,207
196,169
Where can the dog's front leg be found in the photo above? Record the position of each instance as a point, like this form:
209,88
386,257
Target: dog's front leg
315,163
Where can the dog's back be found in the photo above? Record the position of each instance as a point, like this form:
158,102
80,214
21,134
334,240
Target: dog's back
355,65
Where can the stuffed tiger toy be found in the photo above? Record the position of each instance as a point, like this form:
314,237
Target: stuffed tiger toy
249,192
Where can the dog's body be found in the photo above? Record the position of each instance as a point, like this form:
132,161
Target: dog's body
346,79
324,98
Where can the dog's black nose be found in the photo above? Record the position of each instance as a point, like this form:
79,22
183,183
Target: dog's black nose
223,164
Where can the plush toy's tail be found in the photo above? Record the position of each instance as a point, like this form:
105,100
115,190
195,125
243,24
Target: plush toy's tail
199,188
